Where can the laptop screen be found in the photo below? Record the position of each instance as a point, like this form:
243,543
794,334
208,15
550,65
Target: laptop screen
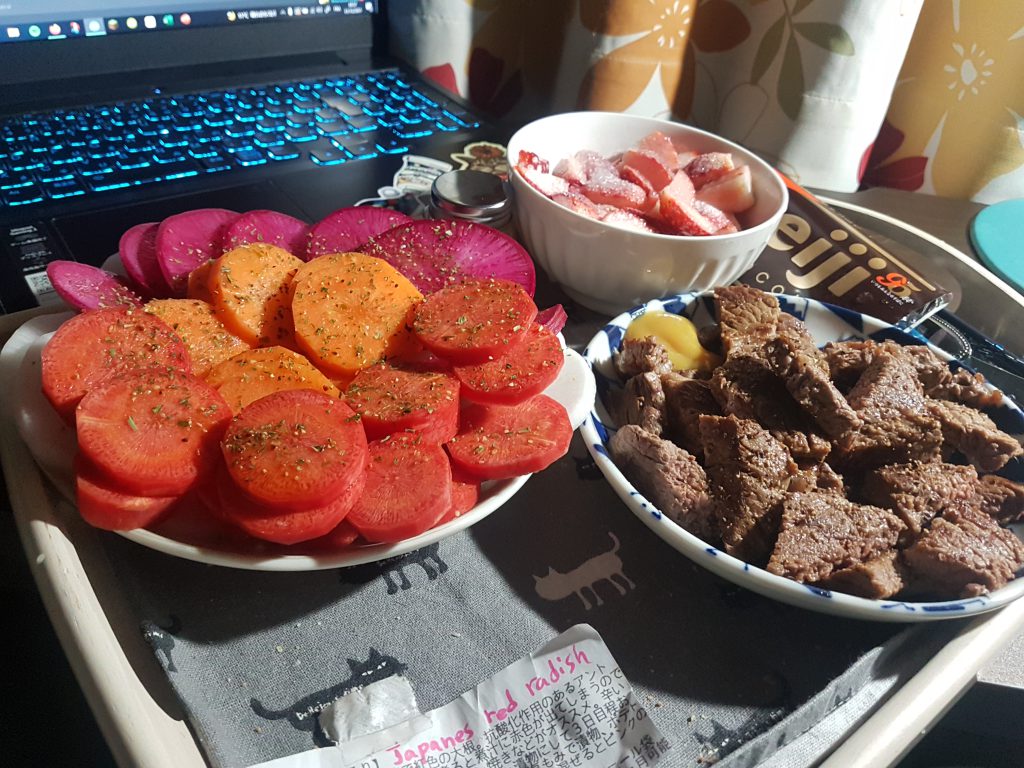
55,20
63,43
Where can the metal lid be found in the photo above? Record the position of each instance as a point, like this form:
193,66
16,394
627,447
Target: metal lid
470,194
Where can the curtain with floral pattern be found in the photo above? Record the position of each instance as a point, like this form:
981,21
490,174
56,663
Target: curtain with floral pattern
836,93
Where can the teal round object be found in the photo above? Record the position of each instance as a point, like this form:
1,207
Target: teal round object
997,234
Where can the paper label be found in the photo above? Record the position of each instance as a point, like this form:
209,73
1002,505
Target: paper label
567,704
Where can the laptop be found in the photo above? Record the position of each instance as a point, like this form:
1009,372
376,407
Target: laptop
117,112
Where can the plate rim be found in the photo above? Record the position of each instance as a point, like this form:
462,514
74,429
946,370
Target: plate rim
745,574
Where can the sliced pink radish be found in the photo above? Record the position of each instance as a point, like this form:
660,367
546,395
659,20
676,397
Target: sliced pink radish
137,249
347,229
85,287
187,240
272,227
553,318
433,254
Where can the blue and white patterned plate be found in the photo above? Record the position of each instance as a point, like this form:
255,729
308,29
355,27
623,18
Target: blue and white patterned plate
825,323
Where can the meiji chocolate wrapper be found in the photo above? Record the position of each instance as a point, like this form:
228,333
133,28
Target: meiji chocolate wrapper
817,253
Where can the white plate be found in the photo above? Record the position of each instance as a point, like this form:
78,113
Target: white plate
190,533
825,323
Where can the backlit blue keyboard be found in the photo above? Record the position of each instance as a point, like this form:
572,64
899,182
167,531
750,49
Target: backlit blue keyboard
69,153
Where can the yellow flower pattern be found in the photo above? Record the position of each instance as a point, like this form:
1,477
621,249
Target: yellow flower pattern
960,95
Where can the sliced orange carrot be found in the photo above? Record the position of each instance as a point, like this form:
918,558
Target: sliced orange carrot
208,341
199,282
250,288
250,375
351,311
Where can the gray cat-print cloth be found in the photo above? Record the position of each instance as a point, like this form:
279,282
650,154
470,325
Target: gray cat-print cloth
725,674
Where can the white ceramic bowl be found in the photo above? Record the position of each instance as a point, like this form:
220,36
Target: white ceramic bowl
608,268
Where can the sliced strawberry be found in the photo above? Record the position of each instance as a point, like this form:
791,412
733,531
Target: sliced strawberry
708,167
606,188
677,208
626,220
650,166
635,177
731,192
576,201
545,183
662,147
718,219
530,160
571,169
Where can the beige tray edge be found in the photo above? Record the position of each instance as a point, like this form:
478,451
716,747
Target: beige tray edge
137,729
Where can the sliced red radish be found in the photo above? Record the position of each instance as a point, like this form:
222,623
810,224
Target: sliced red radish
733,192
708,167
137,249
553,318
408,489
501,441
526,370
347,229
103,505
86,287
433,254
272,227
344,535
465,495
187,240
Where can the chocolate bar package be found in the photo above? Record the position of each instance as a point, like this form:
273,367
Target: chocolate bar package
817,253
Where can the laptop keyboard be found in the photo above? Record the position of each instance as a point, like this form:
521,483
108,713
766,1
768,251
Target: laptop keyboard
74,152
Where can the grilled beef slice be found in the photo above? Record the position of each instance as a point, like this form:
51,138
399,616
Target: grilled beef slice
747,317
940,382
876,579
667,475
642,402
1001,499
847,360
896,427
919,492
821,533
641,356
748,472
817,477
963,554
806,377
974,434
685,401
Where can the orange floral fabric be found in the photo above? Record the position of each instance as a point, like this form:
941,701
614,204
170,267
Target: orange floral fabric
805,83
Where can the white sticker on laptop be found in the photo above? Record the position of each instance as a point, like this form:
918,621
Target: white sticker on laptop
42,289
566,704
